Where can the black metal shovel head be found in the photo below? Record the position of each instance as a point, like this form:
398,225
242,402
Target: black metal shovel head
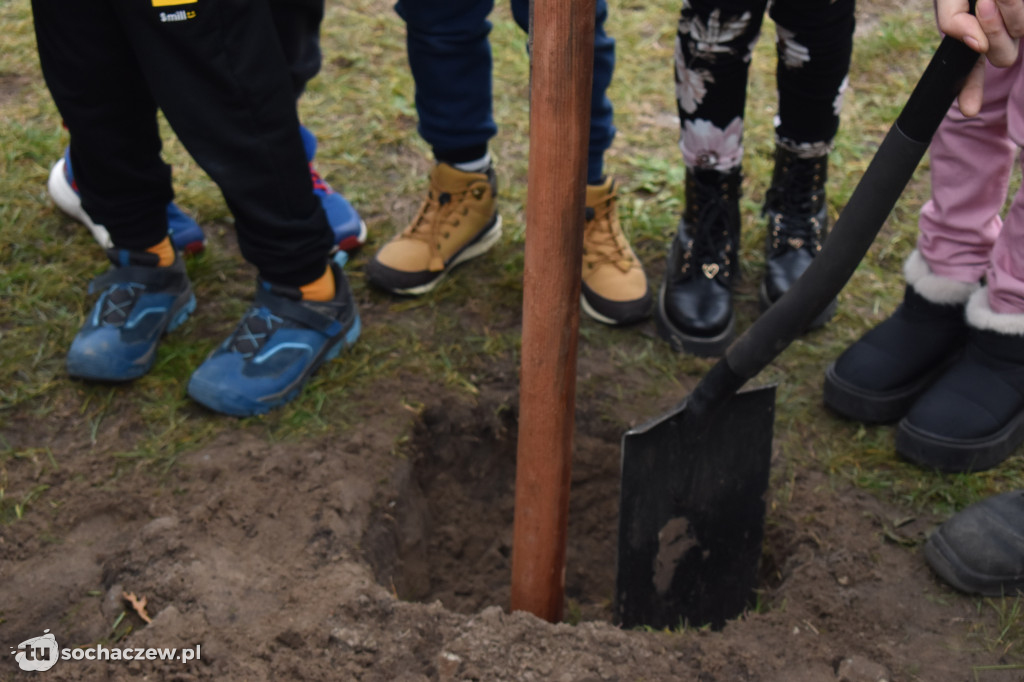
691,516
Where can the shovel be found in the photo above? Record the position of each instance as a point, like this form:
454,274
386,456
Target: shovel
691,515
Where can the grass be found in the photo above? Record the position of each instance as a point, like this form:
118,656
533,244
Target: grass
361,106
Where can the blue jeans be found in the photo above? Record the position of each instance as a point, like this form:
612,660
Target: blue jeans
450,58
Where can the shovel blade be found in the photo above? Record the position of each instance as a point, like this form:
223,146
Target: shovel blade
691,515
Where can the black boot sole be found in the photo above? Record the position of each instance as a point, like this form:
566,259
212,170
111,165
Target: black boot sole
874,407
704,346
959,455
819,321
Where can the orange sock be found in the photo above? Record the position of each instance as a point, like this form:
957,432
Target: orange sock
321,289
165,251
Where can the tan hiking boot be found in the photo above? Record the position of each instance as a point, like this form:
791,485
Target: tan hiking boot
615,287
457,221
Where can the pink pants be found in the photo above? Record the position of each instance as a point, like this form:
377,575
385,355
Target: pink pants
962,236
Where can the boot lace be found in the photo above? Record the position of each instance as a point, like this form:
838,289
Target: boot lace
709,243
438,215
794,203
603,241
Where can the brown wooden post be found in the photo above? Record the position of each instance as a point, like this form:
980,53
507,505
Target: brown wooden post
561,76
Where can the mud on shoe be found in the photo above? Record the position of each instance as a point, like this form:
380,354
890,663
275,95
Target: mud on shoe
878,378
980,550
614,289
348,227
280,342
694,312
138,303
186,234
456,222
972,417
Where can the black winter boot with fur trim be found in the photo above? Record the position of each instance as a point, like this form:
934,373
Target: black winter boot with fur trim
972,417
879,377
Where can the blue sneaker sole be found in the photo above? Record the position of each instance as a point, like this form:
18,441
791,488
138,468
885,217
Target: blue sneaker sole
238,405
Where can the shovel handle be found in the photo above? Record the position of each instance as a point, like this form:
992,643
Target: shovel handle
873,199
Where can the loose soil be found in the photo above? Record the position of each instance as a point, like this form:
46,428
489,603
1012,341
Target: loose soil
353,558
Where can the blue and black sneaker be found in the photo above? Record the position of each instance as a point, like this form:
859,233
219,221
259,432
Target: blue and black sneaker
139,302
280,342
349,228
186,235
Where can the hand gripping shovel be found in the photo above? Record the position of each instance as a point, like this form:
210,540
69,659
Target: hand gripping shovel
691,516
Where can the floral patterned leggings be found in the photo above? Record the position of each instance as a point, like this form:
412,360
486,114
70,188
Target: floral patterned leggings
714,45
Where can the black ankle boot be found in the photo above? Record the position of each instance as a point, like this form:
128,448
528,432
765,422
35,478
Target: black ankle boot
695,303
797,224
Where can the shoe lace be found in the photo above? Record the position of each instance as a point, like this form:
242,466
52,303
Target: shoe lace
795,200
253,332
439,212
603,241
709,240
319,184
118,302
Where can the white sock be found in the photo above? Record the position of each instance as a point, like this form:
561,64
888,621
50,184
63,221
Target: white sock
478,166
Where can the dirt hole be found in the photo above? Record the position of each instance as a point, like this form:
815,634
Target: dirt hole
444,532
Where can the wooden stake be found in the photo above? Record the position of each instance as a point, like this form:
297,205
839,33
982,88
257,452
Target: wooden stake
561,76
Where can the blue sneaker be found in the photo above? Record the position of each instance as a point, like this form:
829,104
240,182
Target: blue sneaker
280,342
139,303
349,228
186,235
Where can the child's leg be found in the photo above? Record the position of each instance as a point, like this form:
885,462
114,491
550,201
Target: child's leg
91,71
888,373
814,40
298,28
602,131
221,78
814,44
971,161
714,43
1005,274
972,417
450,59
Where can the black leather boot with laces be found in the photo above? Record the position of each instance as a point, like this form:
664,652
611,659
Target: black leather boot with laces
694,311
797,224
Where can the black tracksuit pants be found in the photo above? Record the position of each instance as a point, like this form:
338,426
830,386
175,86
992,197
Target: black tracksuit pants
217,70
